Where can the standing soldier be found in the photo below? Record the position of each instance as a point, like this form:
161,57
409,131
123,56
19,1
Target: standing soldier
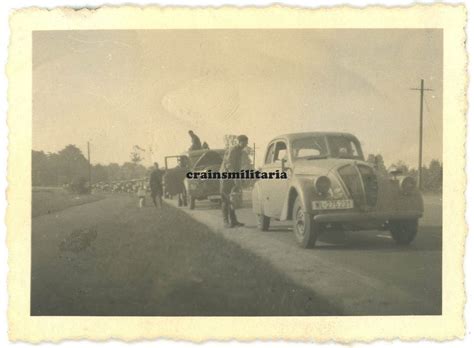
195,141
156,185
231,163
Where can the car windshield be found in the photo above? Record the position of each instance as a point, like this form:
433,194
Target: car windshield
316,147
344,147
310,148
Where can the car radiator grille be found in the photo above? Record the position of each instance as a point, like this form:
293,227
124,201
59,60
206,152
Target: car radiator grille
370,184
351,178
365,195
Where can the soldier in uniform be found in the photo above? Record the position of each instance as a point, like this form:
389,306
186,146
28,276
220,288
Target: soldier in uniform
231,163
195,141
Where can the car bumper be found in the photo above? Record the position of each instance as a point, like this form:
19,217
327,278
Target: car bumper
366,217
214,197
199,195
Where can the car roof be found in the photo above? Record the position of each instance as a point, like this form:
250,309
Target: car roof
292,136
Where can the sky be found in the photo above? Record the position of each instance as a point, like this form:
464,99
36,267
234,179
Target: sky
120,88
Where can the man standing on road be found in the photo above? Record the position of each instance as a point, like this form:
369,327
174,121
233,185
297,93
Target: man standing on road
195,141
231,163
156,185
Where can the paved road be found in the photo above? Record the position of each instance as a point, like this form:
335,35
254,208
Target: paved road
366,273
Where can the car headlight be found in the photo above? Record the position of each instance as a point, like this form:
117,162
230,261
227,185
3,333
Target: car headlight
323,185
407,185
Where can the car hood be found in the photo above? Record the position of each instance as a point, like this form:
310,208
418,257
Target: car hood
322,166
210,158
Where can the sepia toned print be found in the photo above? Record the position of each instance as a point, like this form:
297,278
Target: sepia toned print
213,174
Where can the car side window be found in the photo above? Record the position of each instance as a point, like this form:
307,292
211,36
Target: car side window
270,152
280,151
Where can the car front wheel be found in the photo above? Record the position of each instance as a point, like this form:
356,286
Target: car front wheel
304,228
404,232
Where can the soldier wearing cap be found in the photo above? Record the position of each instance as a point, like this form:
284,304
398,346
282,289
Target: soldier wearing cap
231,163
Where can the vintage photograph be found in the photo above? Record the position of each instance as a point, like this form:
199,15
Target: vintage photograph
237,172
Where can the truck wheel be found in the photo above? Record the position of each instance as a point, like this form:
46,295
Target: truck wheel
304,228
263,222
192,202
403,232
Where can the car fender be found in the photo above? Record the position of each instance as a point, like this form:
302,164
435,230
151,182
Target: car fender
413,202
298,188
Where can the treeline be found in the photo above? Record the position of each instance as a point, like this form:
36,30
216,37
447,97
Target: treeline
431,176
69,166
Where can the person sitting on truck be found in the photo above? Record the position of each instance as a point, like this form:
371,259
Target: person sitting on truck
195,141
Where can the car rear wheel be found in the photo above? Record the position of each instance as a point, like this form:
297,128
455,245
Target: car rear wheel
403,232
304,228
263,222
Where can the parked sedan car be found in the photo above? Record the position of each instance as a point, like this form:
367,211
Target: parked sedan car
331,187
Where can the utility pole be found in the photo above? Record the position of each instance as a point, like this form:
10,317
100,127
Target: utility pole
422,89
89,160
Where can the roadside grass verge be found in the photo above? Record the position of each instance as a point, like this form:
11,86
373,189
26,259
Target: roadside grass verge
47,200
149,262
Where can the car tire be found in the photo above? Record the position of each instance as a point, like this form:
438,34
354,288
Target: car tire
304,228
263,222
192,202
403,232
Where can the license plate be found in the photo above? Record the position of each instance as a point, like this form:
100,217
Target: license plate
338,204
